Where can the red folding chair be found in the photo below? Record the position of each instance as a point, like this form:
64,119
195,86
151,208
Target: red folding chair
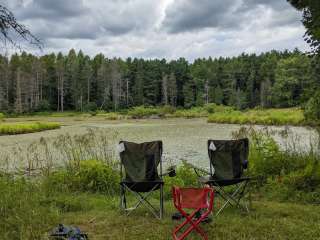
199,199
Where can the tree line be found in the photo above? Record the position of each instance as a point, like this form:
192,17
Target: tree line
57,82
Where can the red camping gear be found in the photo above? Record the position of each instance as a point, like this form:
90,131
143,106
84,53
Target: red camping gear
199,199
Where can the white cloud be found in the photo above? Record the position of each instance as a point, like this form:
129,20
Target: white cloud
162,29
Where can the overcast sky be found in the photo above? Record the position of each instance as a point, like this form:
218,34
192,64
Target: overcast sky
162,28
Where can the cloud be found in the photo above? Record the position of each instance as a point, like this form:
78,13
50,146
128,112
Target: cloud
162,29
189,15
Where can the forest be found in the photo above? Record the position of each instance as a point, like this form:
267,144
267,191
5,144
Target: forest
57,82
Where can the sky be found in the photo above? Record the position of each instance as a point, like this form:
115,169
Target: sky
161,28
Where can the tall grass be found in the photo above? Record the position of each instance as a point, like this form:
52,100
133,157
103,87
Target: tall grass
287,173
288,116
21,128
85,185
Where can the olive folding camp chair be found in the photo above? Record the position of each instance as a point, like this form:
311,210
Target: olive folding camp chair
140,163
228,160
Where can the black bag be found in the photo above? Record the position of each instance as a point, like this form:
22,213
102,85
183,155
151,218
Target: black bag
70,233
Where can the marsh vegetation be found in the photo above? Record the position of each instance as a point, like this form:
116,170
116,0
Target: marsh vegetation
83,190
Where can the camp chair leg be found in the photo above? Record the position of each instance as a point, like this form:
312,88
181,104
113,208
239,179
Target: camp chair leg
194,225
142,200
234,198
161,202
123,201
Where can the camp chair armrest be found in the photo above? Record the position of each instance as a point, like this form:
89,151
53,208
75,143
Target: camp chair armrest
197,170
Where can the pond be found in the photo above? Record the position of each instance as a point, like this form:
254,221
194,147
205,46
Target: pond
183,139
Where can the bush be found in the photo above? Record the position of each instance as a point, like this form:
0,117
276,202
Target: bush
185,177
92,176
44,106
21,128
291,116
1,116
287,175
312,108
167,109
90,107
22,211
141,111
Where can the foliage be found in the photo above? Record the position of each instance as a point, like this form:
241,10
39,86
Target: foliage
1,116
310,19
289,116
185,177
287,174
43,106
21,128
312,108
92,176
10,29
22,214
141,111
290,75
90,106
76,82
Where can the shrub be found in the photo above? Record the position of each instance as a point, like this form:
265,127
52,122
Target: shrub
20,128
22,212
312,108
92,176
1,116
141,111
44,106
292,116
90,107
185,177
167,109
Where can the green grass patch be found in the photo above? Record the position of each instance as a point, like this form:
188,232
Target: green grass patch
21,128
287,116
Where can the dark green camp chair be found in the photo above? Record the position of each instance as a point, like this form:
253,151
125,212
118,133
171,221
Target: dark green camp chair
140,163
228,160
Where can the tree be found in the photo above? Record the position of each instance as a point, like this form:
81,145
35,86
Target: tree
60,69
9,28
291,75
311,20
165,89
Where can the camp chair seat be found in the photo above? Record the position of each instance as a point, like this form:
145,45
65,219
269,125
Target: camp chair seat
143,186
210,180
200,200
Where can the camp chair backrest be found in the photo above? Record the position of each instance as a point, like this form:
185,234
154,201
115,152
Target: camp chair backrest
228,157
141,161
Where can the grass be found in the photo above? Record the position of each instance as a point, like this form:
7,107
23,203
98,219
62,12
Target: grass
268,220
29,212
215,114
21,128
286,116
84,193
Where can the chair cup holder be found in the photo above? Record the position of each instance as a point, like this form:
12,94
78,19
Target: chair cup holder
172,172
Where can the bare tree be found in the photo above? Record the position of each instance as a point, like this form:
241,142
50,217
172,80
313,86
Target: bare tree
9,28
172,89
116,80
165,89
18,99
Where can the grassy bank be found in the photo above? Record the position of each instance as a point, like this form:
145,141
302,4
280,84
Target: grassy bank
85,193
98,215
214,113
286,116
21,128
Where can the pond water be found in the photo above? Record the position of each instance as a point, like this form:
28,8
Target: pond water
183,139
